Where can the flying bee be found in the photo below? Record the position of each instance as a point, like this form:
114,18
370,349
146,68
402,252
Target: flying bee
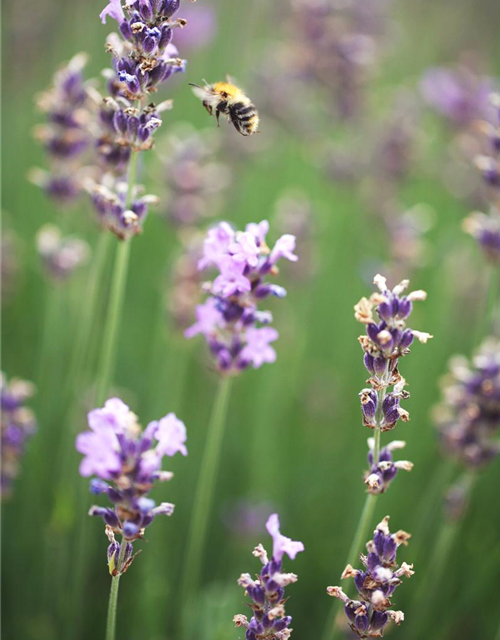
228,99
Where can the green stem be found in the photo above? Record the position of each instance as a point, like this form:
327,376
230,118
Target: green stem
117,294
113,596
205,492
110,339
79,360
361,534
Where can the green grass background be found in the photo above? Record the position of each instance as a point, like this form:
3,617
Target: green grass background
294,435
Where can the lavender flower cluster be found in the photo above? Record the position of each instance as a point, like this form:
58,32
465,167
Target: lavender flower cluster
195,179
468,418
485,228
66,135
376,583
61,256
230,317
267,591
387,339
127,462
18,424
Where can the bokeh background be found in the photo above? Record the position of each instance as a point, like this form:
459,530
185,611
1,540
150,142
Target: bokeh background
294,441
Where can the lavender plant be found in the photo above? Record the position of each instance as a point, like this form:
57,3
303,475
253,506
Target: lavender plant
60,256
267,591
375,584
18,424
127,462
387,340
230,319
238,336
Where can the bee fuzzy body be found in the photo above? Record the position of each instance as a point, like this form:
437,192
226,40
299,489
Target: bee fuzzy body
227,99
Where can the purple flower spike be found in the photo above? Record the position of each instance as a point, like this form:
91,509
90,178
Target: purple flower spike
116,450
375,584
267,592
387,340
230,318
18,424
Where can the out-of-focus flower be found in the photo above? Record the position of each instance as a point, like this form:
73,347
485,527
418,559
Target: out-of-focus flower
387,339
485,229
457,93
202,20
60,256
267,592
230,317
245,518
328,52
66,135
375,584
294,213
196,181
127,462
468,418
17,424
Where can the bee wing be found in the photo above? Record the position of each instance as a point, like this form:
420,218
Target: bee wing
232,80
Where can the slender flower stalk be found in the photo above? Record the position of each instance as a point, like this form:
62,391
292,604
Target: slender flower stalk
126,462
203,502
386,341
269,620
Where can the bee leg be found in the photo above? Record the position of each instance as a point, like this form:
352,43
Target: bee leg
208,107
217,115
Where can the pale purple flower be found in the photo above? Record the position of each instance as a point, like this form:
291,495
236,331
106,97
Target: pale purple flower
114,416
281,544
231,279
258,230
245,249
257,349
202,20
216,244
208,319
171,435
284,248
114,10
101,451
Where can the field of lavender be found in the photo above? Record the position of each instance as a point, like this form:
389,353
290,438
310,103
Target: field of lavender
223,323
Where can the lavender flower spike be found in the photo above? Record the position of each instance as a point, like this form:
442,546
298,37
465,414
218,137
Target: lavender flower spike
17,425
127,462
269,620
387,339
230,319
375,584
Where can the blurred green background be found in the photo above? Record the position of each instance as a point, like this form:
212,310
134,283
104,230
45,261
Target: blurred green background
294,441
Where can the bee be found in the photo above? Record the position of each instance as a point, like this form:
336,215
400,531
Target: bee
228,99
